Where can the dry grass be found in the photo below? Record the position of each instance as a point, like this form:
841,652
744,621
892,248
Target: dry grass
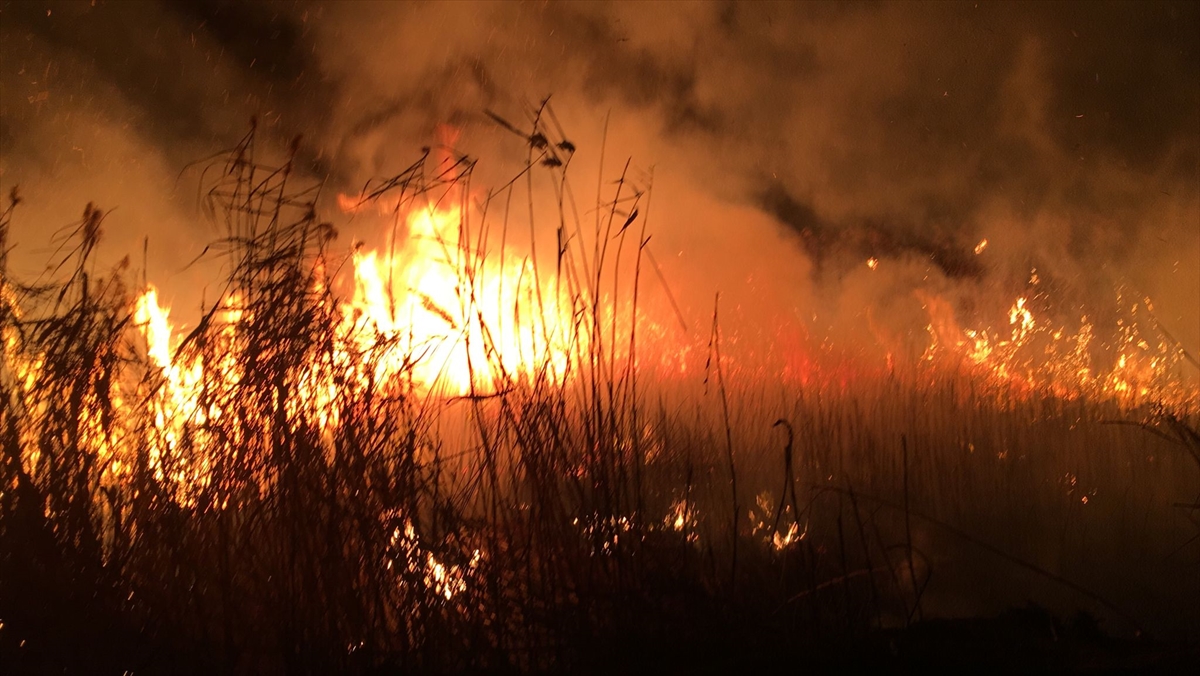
588,522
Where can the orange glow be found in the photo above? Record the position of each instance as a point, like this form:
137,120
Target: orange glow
459,324
417,314
434,316
1033,354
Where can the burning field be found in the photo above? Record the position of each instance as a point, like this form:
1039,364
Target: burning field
442,387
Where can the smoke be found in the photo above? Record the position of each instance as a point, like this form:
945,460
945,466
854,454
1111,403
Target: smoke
789,142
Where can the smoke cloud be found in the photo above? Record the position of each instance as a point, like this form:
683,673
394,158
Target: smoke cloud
789,142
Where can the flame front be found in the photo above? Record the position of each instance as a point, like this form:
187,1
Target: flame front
459,324
1032,353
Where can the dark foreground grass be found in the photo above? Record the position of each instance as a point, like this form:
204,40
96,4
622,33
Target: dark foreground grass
576,517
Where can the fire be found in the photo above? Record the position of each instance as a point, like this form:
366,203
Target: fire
176,404
407,557
437,317
979,248
157,327
433,316
416,314
1033,353
434,312
460,324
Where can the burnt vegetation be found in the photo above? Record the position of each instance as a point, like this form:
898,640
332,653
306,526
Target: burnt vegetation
577,523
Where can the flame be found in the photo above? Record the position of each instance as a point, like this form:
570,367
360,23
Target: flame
459,324
424,313
406,554
176,405
433,314
430,316
1031,353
